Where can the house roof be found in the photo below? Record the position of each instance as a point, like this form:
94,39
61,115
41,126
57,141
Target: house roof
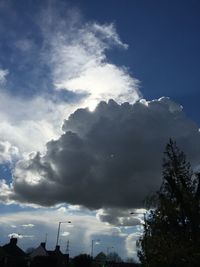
39,251
56,252
101,257
2,252
12,249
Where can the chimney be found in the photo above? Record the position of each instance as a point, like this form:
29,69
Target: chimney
43,244
13,241
57,248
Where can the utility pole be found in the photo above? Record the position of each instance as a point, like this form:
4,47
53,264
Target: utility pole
67,249
46,235
92,248
58,234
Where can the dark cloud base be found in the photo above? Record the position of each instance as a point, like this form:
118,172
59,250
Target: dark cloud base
107,158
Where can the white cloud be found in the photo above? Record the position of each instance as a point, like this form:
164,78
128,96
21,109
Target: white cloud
19,236
8,153
29,225
62,209
65,234
27,124
77,58
5,191
3,74
131,244
74,207
15,235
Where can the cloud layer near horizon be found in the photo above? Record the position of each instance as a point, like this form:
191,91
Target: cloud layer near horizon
109,158
32,227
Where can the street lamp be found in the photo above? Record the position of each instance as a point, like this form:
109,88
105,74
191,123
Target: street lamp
59,231
92,248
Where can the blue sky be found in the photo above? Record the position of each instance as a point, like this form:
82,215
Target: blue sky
58,56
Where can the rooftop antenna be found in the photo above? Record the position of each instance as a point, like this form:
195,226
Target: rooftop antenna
67,249
46,235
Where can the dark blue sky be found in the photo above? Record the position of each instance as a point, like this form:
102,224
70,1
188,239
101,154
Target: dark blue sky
164,41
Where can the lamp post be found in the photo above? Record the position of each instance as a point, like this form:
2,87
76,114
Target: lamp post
92,248
58,234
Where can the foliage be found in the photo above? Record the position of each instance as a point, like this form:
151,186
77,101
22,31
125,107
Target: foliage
82,260
130,260
172,230
114,257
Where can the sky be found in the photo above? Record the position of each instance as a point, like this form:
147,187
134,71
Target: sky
90,93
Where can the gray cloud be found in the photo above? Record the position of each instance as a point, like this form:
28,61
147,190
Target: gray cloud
109,158
120,217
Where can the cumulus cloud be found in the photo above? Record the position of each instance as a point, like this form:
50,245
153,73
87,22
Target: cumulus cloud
5,191
8,153
119,217
27,124
15,235
109,158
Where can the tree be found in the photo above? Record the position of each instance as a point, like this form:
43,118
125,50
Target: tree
172,229
82,260
114,257
132,262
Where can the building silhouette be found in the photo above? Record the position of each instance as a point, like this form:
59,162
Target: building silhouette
13,256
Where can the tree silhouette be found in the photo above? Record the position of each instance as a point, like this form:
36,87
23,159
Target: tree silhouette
172,230
114,257
82,260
